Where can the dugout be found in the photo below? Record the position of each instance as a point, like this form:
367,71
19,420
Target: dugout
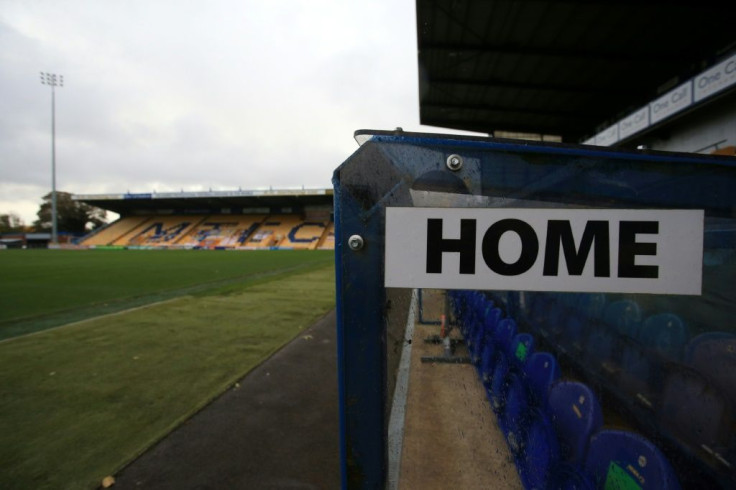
601,352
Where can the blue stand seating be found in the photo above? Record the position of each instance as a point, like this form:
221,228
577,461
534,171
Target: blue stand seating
625,460
576,415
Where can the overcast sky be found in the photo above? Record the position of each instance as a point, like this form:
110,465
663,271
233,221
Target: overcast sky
196,95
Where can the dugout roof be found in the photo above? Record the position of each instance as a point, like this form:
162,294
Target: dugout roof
561,67
208,202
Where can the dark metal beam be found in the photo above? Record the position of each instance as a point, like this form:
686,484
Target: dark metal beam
476,49
573,114
577,89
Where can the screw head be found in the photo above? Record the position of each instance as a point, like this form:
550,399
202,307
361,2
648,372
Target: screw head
454,162
355,242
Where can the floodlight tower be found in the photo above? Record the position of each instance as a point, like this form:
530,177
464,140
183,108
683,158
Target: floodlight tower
53,81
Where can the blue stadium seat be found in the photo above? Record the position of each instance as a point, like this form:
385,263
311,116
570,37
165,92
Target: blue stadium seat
511,303
553,322
459,302
640,377
467,303
499,342
570,300
514,396
626,460
572,337
568,477
665,334
541,452
482,306
540,310
541,371
498,383
510,358
475,305
521,348
592,305
513,420
576,414
601,350
714,355
624,316
698,415
485,330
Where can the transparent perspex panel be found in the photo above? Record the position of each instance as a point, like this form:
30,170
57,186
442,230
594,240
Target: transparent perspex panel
516,315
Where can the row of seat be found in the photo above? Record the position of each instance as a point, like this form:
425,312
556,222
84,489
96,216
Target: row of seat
679,387
217,231
553,425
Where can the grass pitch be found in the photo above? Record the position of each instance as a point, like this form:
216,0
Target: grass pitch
41,289
81,401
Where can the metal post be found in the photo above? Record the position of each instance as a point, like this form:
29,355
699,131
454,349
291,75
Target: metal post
52,80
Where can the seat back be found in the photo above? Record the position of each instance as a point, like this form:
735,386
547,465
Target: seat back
571,337
501,340
483,333
601,349
515,413
624,316
665,334
695,412
640,374
541,303
592,305
520,349
576,414
714,355
541,451
541,370
504,335
507,361
621,459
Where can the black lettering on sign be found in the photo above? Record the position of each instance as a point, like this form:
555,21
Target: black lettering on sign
629,248
437,245
559,232
529,247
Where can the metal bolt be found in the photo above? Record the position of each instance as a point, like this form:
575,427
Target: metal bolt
355,242
454,162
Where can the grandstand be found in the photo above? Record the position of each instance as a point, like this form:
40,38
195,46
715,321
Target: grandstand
238,220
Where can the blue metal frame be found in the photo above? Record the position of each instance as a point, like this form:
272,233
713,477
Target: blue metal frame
381,173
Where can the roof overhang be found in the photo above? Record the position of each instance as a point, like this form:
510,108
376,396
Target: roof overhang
562,67
208,201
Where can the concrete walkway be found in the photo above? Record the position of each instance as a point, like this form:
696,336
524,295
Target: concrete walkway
277,430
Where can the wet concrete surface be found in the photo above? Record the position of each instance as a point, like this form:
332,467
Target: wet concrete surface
278,429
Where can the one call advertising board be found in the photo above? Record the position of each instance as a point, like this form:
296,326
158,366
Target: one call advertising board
577,250
672,102
715,79
634,123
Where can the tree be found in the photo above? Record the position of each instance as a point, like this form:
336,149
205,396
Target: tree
71,216
10,223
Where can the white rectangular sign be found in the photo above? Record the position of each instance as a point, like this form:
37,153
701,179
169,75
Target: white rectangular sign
672,102
578,250
633,123
608,136
715,79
